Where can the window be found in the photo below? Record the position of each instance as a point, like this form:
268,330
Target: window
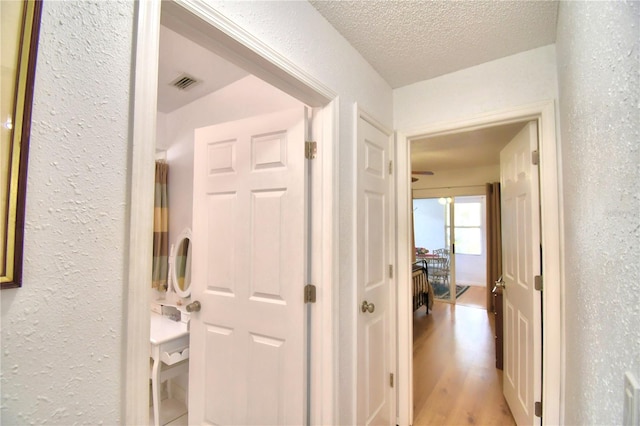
468,225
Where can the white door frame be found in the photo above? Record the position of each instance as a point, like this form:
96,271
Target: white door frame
240,47
552,257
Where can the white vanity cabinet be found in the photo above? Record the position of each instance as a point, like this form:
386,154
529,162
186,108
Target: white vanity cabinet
170,358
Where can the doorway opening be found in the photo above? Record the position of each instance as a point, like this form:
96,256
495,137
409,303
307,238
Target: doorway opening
543,114
449,217
218,100
213,32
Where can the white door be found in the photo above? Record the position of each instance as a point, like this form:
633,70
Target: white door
520,264
376,344
247,363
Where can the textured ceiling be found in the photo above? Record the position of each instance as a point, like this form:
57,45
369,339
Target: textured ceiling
406,42
411,41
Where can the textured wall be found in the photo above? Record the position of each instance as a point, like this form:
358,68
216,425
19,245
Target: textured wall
505,83
598,65
62,331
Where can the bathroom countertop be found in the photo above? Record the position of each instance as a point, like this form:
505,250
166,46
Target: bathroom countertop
164,329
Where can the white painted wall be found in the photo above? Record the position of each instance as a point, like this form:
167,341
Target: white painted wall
428,224
471,270
161,132
62,332
516,80
298,32
598,51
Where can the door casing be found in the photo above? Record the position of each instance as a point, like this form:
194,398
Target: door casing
552,253
240,47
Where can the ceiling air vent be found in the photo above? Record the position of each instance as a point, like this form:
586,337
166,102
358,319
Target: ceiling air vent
185,81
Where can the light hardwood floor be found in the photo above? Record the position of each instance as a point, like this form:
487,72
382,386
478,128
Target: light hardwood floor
474,296
455,381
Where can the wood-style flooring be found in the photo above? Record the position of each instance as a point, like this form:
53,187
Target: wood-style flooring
474,296
455,381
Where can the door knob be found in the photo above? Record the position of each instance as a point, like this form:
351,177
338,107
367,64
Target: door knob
500,283
194,306
366,306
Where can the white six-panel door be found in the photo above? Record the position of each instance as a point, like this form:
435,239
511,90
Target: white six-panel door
521,263
247,343
375,341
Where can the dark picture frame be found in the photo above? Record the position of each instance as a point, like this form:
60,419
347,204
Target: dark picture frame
20,22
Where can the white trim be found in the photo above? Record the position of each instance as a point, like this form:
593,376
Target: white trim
552,260
236,45
324,325
405,309
143,124
371,120
360,113
393,281
352,313
201,21
552,265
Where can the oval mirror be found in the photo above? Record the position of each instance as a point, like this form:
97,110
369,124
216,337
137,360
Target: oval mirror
181,264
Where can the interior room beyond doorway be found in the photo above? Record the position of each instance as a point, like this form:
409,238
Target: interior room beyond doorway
454,357
450,240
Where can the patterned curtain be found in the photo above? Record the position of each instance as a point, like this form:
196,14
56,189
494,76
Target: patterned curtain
494,240
160,228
